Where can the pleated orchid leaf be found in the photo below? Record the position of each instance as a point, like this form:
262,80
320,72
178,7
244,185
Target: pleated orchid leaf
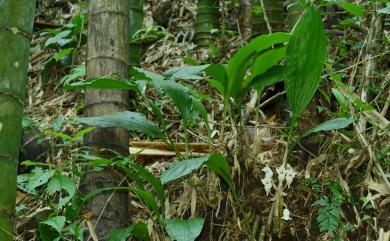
305,57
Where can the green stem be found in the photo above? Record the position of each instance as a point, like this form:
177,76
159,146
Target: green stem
289,146
226,109
186,140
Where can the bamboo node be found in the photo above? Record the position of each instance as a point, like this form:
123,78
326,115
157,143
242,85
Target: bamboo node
13,95
17,31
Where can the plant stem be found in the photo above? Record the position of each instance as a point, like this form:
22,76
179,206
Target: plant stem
288,145
226,107
186,141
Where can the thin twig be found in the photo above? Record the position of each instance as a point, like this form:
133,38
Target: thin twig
266,17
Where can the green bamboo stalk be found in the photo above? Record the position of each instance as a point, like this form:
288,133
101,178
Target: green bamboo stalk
136,22
273,11
16,21
207,19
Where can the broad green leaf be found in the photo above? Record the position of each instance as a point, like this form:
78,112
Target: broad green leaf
199,107
138,230
149,177
63,53
385,10
182,98
267,60
218,72
131,121
60,39
58,123
147,75
353,9
60,135
218,85
30,181
334,124
145,196
238,65
142,74
51,229
305,58
149,200
133,175
59,183
182,168
101,83
57,223
270,77
184,230
218,164
76,230
76,73
186,72
93,160
29,163
84,131
340,98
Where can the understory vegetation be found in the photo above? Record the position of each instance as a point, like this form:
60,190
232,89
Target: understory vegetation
282,135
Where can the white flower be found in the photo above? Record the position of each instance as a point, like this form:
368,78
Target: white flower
281,173
286,214
290,174
267,182
268,171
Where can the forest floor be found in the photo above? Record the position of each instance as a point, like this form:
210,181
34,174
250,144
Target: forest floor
344,173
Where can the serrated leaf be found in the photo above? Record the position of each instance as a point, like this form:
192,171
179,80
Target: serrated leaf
59,39
51,229
184,230
335,124
77,72
305,57
38,177
138,230
182,168
131,121
59,183
328,218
